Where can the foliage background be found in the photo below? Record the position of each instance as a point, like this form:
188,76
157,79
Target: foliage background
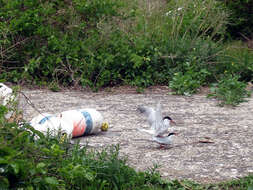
101,43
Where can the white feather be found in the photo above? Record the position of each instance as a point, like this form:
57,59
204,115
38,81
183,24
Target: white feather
154,117
163,140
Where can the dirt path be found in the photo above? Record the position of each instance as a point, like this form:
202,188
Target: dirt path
229,157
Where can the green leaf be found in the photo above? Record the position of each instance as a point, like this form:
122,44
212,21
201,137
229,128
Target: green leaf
15,167
51,180
3,110
213,89
137,60
32,171
89,176
41,165
3,161
37,180
29,188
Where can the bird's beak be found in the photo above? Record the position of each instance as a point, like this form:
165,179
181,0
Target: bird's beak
173,122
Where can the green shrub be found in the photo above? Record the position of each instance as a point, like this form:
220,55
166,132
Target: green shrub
53,39
230,91
184,32
189,82
236,59
106,42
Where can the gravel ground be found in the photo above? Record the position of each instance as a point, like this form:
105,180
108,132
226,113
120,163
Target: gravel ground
231,130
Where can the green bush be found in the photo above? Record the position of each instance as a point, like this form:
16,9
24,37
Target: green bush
181,32
236,59
53,40
230,91
106,42
189,82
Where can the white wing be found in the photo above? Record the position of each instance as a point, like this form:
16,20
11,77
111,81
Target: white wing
155,120
158,122
149,131
149,113
159,112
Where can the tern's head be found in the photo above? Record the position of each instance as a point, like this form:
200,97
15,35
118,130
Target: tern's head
169,118
171,134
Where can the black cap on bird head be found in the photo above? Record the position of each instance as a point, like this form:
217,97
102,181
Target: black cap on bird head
170,134
169,118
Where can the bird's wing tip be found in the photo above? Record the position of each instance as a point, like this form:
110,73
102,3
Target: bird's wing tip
141,109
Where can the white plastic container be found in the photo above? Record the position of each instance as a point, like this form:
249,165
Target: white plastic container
6,97
74,123
5,94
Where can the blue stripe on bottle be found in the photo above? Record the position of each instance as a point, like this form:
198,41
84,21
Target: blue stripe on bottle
45,119
89,123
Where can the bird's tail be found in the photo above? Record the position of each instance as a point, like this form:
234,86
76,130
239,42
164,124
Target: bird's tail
149,131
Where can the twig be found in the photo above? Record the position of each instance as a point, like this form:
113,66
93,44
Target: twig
16,44
29,102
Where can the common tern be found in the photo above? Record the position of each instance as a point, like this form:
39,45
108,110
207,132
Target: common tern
167,140
159,125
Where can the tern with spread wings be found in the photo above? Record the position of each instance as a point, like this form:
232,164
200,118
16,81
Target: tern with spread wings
159,125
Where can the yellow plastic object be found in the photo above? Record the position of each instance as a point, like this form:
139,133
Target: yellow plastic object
104,126
63,138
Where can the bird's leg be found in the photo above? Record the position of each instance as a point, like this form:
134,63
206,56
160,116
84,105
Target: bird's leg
162,146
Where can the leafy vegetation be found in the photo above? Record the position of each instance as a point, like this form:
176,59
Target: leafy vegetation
100,43
230,91
189,82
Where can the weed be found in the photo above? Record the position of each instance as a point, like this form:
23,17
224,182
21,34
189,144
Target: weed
236,59
230,91
53,86
190,81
